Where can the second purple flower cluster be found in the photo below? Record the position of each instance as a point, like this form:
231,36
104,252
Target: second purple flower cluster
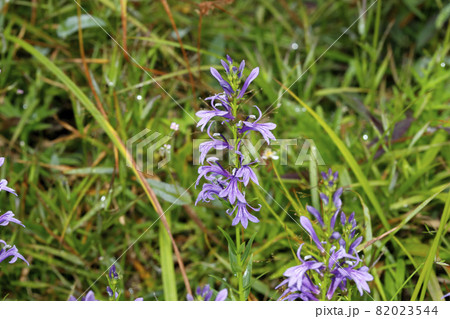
336,265
7,251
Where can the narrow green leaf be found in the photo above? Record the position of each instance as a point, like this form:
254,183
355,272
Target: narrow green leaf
168,271
229,240
422,282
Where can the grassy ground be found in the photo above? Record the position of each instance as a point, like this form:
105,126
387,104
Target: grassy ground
379,93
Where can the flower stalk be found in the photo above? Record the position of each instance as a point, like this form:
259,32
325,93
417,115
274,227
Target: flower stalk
228,182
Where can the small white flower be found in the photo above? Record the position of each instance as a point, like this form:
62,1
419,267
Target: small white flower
174,126
268,153
165,149
216,134
252,116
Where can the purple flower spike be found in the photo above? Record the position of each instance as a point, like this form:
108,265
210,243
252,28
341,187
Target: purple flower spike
253,75
304,221
342,266
316,214
227,183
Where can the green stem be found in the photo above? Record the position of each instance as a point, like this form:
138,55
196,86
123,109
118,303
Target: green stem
239,274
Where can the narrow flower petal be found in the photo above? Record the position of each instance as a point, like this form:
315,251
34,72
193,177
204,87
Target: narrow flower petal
316,214
304,221
249,80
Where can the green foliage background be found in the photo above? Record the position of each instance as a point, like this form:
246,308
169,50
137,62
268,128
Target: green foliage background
386,79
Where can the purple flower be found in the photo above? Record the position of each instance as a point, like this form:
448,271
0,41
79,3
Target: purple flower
207,193
360,276
214,169
4,187
246,173
333,220
207,115
253,75
316,214
242,215
232,191
229,68
324,198
263,128
299,284
352,247
445,296
8,251
304,221
337,198
205,294
224,84
7,218
112,272
217,144
111,293
330,177
90,296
